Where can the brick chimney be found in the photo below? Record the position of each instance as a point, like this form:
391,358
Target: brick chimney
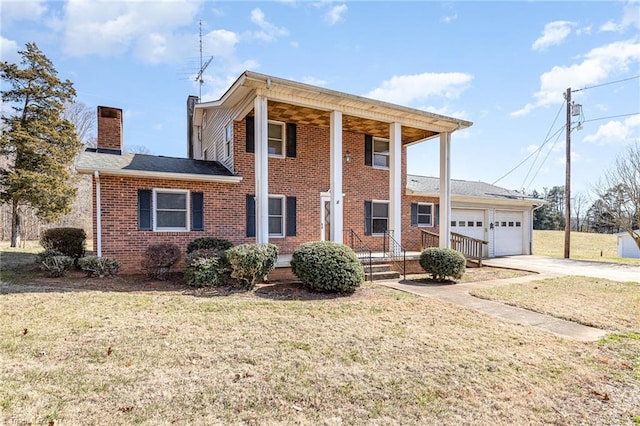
109,130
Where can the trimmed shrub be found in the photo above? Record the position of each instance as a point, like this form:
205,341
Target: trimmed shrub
95,266
327,267
42,256
442,263
206,268
159,259
208,243
251,263
57,266
68,241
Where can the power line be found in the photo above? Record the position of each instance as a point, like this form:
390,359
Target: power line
549,131
545,159
606,84
529,156
611,116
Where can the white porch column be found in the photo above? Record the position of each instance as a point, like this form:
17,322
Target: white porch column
445,190
395,181
261,133
336,211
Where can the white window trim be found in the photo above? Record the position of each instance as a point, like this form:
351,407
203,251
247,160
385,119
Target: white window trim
187,212
204,154
284,139
228,140
284,215
373,153
373,234
433,212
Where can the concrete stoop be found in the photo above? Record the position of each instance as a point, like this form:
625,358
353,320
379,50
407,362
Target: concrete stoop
379,272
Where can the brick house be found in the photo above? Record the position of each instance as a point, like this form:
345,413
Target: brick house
274,161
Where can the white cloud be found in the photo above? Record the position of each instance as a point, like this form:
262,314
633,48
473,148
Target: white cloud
616,131
445,110
554,33
532,148
336,14
313,81
30,10
408,89
584,30
9,50
112,28
449,19
597,66
268,31
630,18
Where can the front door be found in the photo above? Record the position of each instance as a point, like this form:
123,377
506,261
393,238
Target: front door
325,218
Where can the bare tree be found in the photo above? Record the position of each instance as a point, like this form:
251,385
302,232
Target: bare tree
578,204
137,149
83,117
619,191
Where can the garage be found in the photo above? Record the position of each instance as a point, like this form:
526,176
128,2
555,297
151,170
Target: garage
508,233
469,222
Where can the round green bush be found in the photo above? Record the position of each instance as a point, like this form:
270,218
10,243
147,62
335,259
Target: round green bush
327,267
206,268
251,263
209,243
68,241
442,263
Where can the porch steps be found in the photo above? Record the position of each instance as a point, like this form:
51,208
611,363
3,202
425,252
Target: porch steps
380,271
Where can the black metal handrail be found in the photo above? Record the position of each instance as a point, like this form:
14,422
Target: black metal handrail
393,250
362,250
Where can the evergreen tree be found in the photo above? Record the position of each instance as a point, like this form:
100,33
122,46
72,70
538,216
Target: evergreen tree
39,142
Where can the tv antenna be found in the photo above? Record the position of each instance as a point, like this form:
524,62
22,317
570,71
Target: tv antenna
199,78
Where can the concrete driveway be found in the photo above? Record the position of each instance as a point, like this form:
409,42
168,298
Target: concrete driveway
551,266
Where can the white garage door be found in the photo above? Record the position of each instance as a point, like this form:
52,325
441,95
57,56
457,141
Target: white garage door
508,233
468,222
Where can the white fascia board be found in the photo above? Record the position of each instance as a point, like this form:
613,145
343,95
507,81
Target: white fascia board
484,201
163,175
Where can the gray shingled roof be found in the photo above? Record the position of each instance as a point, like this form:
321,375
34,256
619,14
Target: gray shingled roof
90,160
431,186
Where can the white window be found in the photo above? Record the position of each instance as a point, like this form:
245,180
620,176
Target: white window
276,139
380,153
425,214
228,139
379,217
276,215
171,210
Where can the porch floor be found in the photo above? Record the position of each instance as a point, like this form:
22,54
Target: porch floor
284,260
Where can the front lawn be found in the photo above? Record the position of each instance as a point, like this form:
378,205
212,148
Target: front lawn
163,356
597,302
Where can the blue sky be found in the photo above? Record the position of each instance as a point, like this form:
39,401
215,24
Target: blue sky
502,65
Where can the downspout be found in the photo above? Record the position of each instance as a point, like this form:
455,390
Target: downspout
98,216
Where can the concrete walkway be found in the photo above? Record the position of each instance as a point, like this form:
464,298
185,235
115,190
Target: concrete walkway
545,268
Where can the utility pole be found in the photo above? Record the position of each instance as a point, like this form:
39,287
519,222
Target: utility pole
567,182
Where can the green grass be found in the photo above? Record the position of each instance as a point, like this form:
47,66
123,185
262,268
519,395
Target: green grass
584,246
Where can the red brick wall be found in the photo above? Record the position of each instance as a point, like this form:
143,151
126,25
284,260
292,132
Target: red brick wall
305,177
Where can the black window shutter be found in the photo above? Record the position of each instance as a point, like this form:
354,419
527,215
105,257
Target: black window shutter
367,218
144,209
414,214
251,216
291,139
291,216
197,211
368,150
250,135
437,214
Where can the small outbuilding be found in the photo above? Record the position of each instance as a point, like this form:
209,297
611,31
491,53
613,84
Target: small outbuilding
627,247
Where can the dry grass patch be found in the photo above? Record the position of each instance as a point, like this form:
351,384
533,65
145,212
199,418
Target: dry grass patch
591,301
485,273
584,246
378,356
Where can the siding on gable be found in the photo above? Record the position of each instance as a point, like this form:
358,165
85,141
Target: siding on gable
213,134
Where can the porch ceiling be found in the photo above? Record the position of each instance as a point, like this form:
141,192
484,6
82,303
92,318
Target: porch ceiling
280,111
